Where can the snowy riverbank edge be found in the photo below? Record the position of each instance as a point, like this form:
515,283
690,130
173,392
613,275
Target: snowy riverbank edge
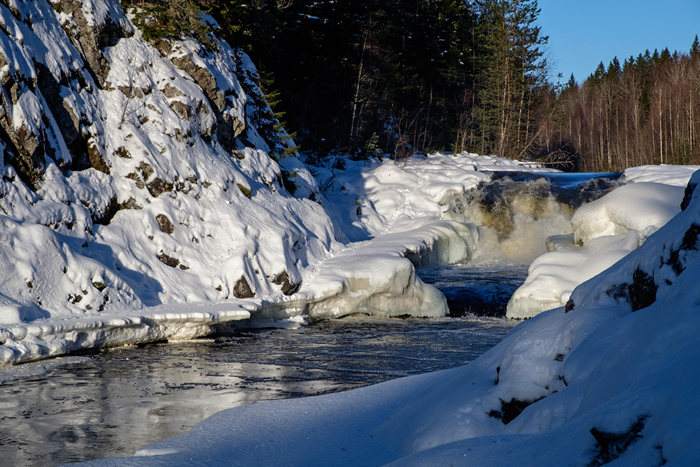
611,378
374,276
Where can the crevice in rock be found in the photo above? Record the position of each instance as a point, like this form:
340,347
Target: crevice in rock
511,409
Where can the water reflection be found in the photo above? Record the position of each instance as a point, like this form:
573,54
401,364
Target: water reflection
116,401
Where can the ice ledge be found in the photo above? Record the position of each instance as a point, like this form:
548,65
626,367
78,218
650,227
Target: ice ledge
375,277
52,337
378,276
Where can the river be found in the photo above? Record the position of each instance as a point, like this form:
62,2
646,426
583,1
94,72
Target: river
113,402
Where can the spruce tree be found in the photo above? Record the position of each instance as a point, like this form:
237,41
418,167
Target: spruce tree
511,73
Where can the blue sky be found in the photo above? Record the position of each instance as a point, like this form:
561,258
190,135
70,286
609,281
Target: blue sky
583,33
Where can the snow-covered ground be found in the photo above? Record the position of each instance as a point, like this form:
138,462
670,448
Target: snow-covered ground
147,193
613,377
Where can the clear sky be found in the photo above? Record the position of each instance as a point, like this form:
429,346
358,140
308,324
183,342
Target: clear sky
583,33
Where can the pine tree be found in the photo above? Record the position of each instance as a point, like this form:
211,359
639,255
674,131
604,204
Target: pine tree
511,74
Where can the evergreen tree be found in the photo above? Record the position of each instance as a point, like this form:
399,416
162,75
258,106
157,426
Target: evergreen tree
511,73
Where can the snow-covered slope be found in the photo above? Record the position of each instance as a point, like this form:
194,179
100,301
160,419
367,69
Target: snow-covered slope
611,378
604,231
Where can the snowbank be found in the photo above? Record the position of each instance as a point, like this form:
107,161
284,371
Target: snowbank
378,276
613,377
674,175
642,207
553,276
605,231
53,337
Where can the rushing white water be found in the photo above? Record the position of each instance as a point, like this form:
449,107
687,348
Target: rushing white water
517,212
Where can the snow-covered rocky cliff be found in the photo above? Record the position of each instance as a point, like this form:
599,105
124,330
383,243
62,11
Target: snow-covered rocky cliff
136,174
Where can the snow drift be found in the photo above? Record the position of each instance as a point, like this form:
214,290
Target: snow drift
604,231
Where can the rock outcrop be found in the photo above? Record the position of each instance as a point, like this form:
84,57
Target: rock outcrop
120,161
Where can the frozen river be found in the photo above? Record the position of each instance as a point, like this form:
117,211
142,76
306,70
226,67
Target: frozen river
113,402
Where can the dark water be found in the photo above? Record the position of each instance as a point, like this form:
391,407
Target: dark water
572,189
481,291
114,402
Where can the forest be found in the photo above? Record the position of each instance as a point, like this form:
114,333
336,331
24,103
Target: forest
367,78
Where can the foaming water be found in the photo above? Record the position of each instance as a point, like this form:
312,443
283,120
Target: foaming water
517,211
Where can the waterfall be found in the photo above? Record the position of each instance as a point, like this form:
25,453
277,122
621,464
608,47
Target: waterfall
516,212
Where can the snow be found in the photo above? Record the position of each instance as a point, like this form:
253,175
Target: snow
605,231
675,175
553,276
642,207
599,367
179,234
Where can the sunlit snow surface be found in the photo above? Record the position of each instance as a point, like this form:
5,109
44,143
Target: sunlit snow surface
598,383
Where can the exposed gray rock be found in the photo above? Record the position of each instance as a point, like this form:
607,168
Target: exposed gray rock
157,187
228,128
91,40
288,287
123,152
165,224
171,91
181,109
242,289
68,122
168,260
96,158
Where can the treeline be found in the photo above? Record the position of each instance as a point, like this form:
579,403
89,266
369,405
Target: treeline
643,111
398,76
